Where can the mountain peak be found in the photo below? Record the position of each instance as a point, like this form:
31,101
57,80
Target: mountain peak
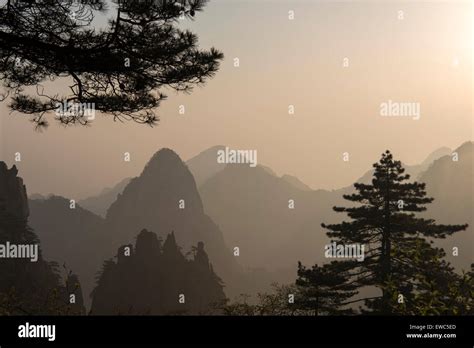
165,188
465,147
212,150
165,198
204,165
13,198
164,158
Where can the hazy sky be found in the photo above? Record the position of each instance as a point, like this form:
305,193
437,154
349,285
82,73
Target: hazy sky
425,58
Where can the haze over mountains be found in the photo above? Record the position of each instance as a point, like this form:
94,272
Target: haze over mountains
29,285
273,221
417,169
162,199
180,215
450,181
100,203
253,207
204,165
75,238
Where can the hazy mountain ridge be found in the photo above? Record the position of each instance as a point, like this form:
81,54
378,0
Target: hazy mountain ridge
251,206
164,198
99,204
26,286
451,184
415,170
237,206
74,237
293,180
204,165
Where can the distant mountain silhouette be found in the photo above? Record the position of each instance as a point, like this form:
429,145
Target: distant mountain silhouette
152,278
268,170
413,170
148,201
241,207
28,286
451,183
99,204
37,196
204,165
441,152
252,207
293,180
75,237
165,198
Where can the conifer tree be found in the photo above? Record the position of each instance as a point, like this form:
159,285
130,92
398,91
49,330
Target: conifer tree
323,290
446,293
119,69
397,250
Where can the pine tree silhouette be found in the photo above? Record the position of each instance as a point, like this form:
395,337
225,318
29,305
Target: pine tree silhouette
119,69
323,290
395,239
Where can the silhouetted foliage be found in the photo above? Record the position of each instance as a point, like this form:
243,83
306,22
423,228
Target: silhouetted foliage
120,69
444,293
398,260
317,291
276,302
323,290
33,288
150,278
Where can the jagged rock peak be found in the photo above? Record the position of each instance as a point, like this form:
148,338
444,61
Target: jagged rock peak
147,244
13,197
